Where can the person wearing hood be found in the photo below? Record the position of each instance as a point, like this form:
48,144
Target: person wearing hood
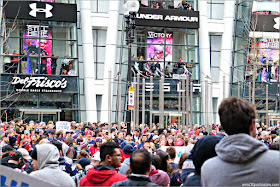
203,150
64,164
240,157
45,163
105,173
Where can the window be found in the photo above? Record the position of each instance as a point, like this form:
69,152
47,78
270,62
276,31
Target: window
215,9
215,49
99,50
34,47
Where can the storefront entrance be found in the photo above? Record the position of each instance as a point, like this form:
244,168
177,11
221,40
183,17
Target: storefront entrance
40,115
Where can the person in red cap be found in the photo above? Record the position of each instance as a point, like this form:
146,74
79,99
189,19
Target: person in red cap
88,138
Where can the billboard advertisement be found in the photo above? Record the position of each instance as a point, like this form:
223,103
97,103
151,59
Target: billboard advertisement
156,50
31,42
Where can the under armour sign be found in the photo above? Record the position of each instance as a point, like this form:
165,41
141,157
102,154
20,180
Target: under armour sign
35,10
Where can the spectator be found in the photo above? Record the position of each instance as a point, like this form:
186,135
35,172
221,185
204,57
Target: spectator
34,60
140,164
6,150
172,155
7,61
203,150
180,7
14,64
24,61
45,163
26,160
96,147
105,174
15,160
240,151
127,150
175,179
54,64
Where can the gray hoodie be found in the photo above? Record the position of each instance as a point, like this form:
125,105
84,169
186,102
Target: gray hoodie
124,166
47,157
241,159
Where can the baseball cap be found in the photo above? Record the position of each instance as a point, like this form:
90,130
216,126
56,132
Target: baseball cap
128,149
155,137
26,132
25,153
96,156
37,130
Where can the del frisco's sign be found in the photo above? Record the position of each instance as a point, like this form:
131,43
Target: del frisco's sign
167,18
39,84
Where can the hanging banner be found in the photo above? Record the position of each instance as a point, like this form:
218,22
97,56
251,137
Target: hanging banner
131,98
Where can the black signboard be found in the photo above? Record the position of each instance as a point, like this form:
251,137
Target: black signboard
39,83
32,10
265,23
167,18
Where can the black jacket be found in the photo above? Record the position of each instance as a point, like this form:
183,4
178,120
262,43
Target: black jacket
136,180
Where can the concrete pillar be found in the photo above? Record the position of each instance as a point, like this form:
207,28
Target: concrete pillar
110,55
204,55
88,62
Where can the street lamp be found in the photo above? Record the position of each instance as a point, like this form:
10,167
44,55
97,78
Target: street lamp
130,7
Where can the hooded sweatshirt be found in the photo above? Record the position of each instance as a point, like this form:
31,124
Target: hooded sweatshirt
241,159
47,157
101,175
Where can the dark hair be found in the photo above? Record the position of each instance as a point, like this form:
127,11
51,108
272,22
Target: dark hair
58,145
236,115
156,161
107,149
275,146
172,152
140,161
163,160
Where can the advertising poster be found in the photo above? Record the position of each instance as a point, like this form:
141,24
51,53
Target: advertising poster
31,43
155,46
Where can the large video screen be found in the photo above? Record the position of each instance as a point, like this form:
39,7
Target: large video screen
38,38
267,59
156,50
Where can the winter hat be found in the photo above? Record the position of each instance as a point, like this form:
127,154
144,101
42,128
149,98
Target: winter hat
171,137
12,140
84,145
26,132
15,155
98,139
74,136
179,142
26,145
84,162
203,150
34,153
161,178
24,153
88,133
128,149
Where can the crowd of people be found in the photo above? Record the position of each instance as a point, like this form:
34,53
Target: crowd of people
158,69
19,63
169,4
98,154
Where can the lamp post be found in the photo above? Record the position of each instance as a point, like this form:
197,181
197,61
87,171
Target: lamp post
130,7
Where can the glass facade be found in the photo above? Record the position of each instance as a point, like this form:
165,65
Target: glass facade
173,54
256,60
41,51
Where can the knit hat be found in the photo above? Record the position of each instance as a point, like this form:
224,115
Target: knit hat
128,149
37,130
34,153
88,133
171,137
98,139
26,145
66,148
155,137
74,136
84,145
96,156
160,178
84,162
15,155
12,140
26,132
